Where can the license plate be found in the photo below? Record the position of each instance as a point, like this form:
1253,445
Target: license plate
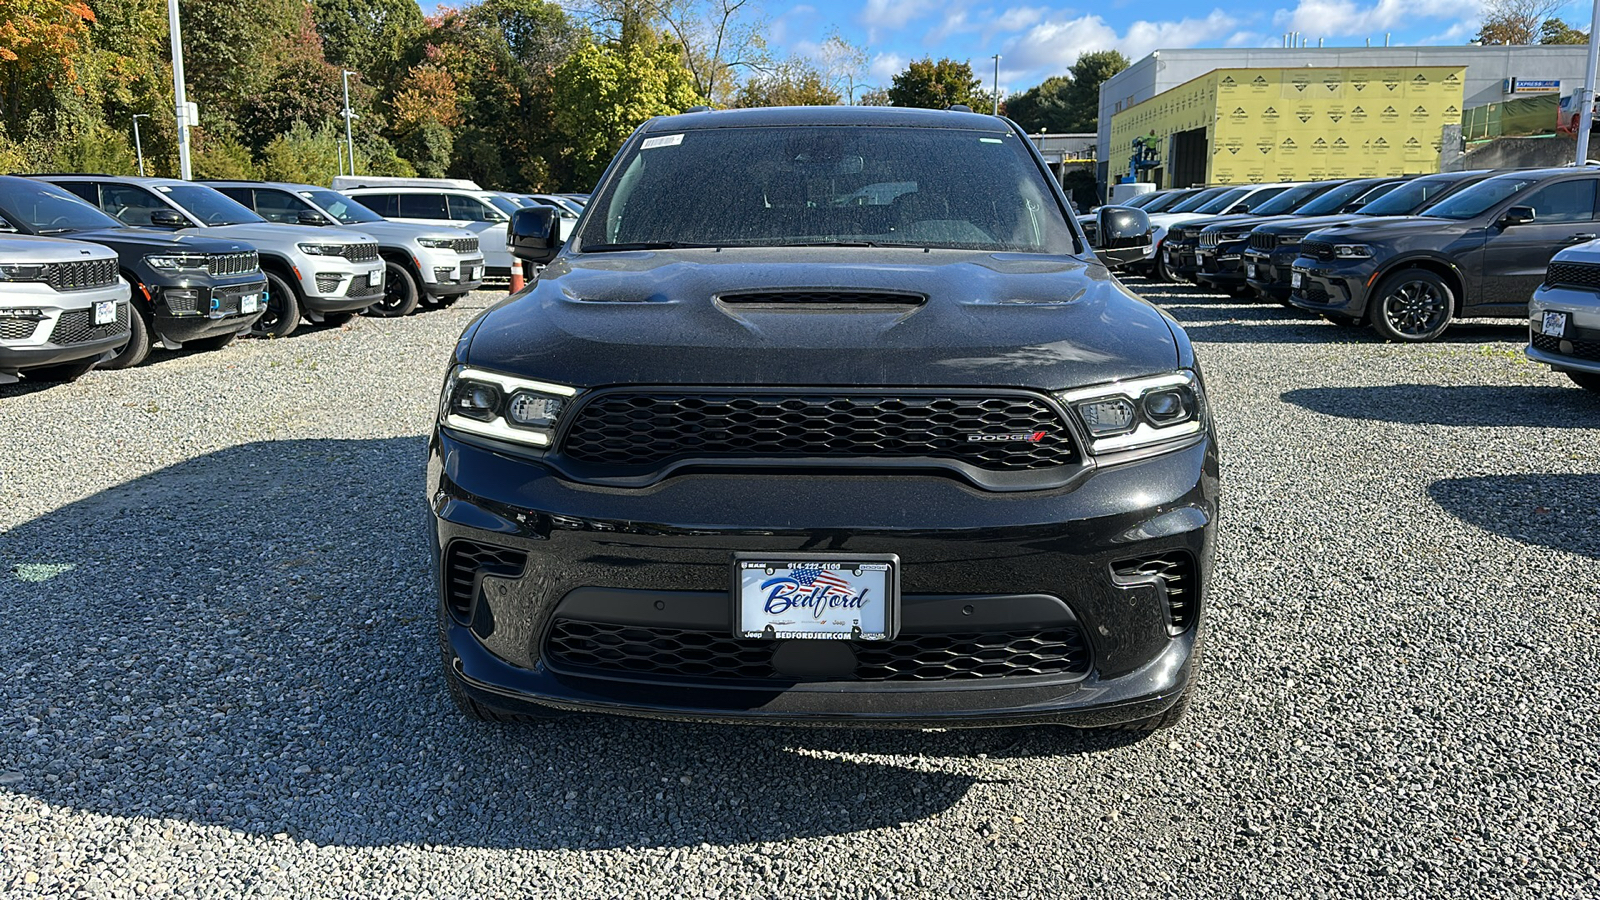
1555,324
249,303
1295,278
105,312
1167,255
826,597
469,273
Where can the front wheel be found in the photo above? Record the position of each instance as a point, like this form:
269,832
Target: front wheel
1412,306
1159,271
138,345
400,294
283,310
1586,380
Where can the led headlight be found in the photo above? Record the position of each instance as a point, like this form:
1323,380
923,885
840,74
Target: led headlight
25,272
1352,251
1133,415
437,243
177,262
322,249
503,407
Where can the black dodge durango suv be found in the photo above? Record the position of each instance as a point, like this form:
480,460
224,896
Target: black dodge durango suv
828,416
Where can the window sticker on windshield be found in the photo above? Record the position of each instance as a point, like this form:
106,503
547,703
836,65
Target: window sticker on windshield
989,140
668,140
163,189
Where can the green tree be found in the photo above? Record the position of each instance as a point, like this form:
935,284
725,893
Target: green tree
303,89
1555,31
1514,21
303,155
937,85
1043,107
369,36
1083,95
792,83
603,93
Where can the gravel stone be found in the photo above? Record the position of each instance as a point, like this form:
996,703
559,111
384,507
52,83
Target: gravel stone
216,619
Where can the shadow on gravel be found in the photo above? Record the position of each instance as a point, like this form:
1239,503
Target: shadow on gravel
247,640
1557,511
1467,405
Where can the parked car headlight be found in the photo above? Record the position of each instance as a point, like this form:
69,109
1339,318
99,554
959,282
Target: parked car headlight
322,249
25,272
1352,251
1146,412
437,243
178,262
503,407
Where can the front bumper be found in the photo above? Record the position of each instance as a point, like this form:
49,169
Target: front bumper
1180,260
191,309
1222,265
1332,288
1271,272
971,561
58,327
446,277
1577,347
335,285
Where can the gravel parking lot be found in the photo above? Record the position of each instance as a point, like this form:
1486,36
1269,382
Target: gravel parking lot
218,632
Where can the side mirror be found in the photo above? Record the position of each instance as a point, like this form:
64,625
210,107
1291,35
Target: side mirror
1517,215
168,218
534,234
312,217
1241,208
1122,234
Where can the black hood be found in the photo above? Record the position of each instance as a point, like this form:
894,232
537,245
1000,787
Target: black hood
156,240
1234,223
992,319
1306,225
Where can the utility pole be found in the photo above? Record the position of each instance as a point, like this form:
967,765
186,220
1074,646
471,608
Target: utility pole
997,80
1586,111
138,145
350,114
180,98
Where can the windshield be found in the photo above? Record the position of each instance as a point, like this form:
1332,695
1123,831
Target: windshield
1409,197
43,210
502,204
209,206
1480,198
342,208
1198,200
1336,199
947,188
1289,200
1222,201
1167,201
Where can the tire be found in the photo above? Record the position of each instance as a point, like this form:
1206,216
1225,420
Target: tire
215,342
60,373
283,310
138,345
1412,306
400,294
1586,380
1159,271
337,319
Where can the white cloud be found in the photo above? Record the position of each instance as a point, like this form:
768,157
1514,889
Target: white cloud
1346,18
954,22
884,67
1053,45
880,15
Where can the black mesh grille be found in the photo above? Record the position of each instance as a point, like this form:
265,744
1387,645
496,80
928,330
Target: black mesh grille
1268,242
1176,574
464,561
465,245
1316,249
1176,235
327,283
82,276
12,329
232,263
667,653
1314,295
1573,275
225,300
77,326
629,429
823,298
1581,348
360,252
363,286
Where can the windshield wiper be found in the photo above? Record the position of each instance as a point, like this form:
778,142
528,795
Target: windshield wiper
56,230
645,245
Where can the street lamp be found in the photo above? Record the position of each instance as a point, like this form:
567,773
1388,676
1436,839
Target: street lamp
997,81
350,115
138,145
1586,109
184,110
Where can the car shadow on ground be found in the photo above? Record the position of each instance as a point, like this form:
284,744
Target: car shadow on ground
1464,405
1557,511
246,640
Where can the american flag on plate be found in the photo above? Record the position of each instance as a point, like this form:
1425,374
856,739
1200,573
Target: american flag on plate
810,575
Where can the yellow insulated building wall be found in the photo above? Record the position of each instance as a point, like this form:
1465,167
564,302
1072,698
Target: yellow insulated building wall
1297,124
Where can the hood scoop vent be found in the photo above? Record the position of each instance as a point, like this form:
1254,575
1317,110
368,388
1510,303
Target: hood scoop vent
824,299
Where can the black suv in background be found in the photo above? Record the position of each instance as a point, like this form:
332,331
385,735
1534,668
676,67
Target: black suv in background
190,291
1480,252
759,451
1272,247
1220,254
1183,241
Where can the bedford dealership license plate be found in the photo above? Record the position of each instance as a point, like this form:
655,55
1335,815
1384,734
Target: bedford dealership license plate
1555,324
1295,278
249,303
823,597
105,312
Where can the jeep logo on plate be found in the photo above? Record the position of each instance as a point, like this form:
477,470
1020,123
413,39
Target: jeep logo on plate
1032,437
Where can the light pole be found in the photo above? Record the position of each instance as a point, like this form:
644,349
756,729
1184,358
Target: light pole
138,145
180,98
349,115
1586,111
997,80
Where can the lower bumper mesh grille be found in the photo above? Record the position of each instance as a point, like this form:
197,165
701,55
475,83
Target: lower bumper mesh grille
1582,349
465,562
1175,572
77,326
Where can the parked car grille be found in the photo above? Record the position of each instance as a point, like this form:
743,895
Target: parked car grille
82,276
1208,238
1314,295
15,329
225,300
223,264
360,252
1175,572
1582,349
464,561
77,326
365,286
328,283
650,429
465,245
669,652
1176,235
1316,249
1268,242
1580,275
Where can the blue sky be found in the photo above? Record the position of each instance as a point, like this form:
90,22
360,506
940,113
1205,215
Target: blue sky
1037,40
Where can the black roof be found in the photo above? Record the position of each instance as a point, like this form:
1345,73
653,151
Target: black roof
828,115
